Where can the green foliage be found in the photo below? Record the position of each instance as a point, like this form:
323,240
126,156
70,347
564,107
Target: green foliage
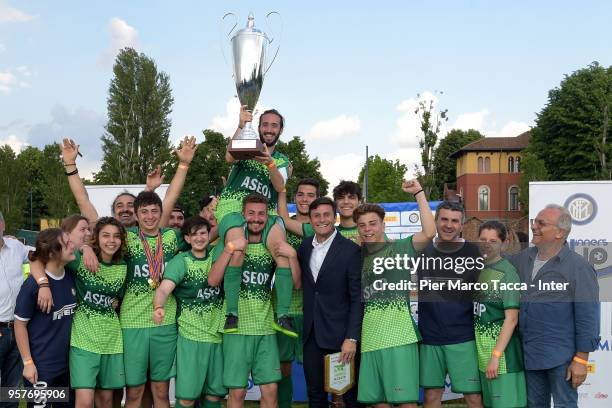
205,173
138,128
33,186
445,167
13,190
303,165
385,181
431,119
571,136
532,169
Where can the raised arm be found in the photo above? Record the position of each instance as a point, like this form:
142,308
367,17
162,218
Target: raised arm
245,116
428,226
70,151
185,155
293,226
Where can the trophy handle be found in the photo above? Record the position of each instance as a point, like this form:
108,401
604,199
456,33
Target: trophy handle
271,39
223,38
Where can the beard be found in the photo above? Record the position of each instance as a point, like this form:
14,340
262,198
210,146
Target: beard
269,144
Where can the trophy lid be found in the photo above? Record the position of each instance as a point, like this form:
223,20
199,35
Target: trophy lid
250,27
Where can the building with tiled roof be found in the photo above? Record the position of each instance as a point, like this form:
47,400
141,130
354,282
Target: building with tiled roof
488,173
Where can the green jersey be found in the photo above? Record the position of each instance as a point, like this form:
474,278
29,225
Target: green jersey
137,306
489,316
255,301
297,296
387,321
249,176
200,305
96,327
349,233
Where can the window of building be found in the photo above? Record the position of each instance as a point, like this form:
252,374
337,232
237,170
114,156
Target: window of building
487,165
483,198
480,165
517,164
513,201
510,164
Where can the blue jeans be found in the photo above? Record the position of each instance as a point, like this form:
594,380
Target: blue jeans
542,384
11,367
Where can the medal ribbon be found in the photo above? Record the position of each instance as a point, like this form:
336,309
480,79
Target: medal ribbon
155,262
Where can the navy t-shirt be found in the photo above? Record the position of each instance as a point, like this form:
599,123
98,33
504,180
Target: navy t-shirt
447,316
49,333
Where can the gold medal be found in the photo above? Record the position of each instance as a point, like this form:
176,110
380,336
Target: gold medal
153,283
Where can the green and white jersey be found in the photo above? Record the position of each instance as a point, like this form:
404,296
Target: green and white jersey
349,233
200,305
387,321
95,326
249,176
489,317
297,296
255,301
137,306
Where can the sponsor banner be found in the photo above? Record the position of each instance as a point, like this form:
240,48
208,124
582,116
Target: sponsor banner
588,202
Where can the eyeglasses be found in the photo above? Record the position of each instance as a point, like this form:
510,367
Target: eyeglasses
540,223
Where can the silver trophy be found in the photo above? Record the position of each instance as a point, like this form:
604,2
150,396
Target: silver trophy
249,46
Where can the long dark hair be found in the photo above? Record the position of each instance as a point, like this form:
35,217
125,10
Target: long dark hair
95,239
49,245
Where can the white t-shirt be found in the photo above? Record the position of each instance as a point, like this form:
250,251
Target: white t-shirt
13,254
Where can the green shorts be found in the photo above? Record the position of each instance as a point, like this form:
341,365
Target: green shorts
149,349
506,391
96,371
229,221
458,360
199,369
389,375
290,348
257,355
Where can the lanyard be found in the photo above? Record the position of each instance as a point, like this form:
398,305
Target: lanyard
155,261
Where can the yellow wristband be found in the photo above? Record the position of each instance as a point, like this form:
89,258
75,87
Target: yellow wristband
272,165
28,361
496,353
183,166
580,360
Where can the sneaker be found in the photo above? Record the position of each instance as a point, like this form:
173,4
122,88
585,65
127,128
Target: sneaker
284,324
231,324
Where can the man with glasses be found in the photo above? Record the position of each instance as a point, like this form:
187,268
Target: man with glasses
560,324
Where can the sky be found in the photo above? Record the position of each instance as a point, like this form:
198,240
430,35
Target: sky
347,75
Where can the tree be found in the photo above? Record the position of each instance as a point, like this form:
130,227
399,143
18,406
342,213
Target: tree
431,119
571,133
444,167
532,169
205,173
13,189
303,165
54,188
138,128
384,180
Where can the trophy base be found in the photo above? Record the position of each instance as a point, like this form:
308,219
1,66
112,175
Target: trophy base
244,149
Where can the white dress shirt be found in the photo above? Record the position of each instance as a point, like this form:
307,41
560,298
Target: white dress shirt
12,255
319,251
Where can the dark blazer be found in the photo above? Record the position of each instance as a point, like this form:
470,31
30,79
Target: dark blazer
332,304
